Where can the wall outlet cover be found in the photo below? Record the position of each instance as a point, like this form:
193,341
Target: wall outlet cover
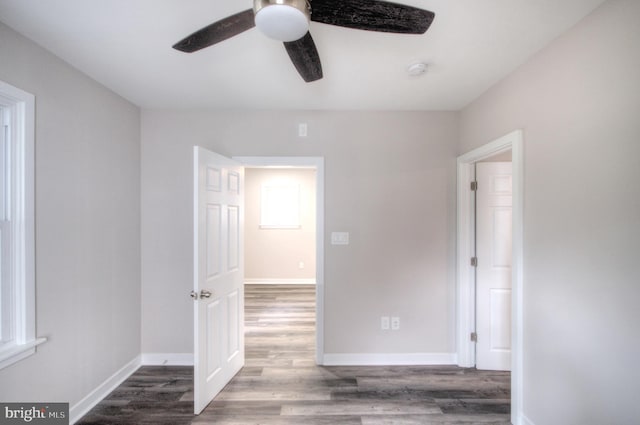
395,323
339,238
384,323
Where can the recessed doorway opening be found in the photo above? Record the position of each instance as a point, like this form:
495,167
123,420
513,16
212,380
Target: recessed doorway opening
466,271
286,181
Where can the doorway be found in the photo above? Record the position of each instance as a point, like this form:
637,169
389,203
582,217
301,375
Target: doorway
280,226
316,164
465,280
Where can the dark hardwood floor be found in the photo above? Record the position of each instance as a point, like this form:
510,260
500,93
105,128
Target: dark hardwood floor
281,385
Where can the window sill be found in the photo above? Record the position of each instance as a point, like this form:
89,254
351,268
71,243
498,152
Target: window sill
16,352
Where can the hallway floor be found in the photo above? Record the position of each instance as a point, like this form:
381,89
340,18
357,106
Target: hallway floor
281,385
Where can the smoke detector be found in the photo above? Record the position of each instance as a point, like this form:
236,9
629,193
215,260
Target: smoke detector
417,69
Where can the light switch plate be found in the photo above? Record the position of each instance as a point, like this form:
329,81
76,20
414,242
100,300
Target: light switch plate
303,130
339,238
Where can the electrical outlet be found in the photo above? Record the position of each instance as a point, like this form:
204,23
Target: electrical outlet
339,238
301,265
395,323
384,323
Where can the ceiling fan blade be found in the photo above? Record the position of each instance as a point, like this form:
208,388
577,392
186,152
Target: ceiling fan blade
217,32
305,58
372,15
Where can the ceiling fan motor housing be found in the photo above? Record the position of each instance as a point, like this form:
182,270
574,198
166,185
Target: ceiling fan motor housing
284,20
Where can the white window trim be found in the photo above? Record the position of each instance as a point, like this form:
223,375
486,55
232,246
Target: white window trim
22,112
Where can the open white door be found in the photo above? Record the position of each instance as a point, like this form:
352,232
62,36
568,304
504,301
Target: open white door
218,290
493,273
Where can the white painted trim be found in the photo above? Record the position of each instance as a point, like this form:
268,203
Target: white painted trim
15,353
524,421
81,408
517,331
465,273
167,359
318,164
389,359
465,282
22,114
280,161
279,281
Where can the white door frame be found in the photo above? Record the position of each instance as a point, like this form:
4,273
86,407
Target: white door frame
465,277
318,164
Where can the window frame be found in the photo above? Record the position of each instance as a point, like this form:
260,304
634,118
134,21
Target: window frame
18,109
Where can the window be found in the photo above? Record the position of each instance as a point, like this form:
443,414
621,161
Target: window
17,269
280,207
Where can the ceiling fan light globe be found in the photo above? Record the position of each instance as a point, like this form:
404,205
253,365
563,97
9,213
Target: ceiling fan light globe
284,22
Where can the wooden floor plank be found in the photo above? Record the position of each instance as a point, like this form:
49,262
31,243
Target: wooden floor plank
281,384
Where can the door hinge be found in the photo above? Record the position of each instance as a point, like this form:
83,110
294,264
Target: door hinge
474,186
474,337
474,261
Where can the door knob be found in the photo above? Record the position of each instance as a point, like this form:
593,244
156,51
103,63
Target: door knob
205,294
194,295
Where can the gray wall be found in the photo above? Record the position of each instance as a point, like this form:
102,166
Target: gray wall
87,228
578,102
274,254
390,182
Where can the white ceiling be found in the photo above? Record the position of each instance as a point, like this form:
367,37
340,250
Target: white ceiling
126,45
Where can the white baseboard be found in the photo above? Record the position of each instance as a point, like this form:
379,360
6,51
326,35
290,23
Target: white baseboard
81,408
279,281
389,359
525,421
167,359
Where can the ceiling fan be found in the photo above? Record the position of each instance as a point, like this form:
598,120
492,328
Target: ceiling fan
288,21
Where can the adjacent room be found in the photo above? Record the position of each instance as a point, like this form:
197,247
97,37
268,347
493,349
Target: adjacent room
407,212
